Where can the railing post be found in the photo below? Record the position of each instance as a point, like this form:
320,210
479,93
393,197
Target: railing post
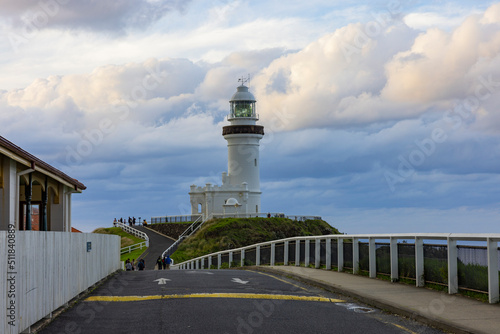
419,261
394,259
372,259
198,264
273,253
317,253
492,248
257,256
285,253
452,266
219,260
307,253
202,264
328,254
297,252
209,262
230,258
355,255
340,254
242,257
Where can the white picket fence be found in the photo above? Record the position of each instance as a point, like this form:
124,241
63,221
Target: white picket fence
42,271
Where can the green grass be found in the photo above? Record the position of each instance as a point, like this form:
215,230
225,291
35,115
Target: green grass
230,233
126,240
133,254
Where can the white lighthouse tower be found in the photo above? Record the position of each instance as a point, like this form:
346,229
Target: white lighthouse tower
240,190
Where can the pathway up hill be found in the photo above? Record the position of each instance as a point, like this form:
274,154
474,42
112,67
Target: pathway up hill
228,233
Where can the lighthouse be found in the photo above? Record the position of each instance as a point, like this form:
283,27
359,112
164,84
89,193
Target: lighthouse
240,190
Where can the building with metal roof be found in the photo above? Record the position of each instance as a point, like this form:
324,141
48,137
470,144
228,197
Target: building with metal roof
27,185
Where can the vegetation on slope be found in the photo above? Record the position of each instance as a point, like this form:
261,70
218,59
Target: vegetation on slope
229,233
126,240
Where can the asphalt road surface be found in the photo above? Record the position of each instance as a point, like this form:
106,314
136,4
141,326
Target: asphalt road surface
220,301
157,245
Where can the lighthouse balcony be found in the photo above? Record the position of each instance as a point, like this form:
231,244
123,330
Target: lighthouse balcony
238,129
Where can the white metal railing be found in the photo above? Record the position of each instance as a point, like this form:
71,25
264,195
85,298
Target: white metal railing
189,231
418,240
133,231
130,248
264,215
174,219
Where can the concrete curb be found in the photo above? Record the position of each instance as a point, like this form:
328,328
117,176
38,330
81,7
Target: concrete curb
389,307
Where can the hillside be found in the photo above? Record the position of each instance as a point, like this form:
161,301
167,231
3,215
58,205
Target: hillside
173,230
126,238
227,233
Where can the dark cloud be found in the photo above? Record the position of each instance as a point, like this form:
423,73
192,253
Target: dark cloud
103,15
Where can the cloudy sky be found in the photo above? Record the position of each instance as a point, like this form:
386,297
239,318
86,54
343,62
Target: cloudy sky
380,116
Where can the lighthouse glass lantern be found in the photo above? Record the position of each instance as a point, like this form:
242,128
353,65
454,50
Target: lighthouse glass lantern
242,104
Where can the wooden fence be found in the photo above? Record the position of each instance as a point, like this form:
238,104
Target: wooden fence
42,271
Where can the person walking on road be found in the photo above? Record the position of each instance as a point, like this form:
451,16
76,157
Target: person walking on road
159,263
141,265
168,261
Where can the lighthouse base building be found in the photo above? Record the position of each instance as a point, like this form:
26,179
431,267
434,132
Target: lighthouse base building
240,189
224,199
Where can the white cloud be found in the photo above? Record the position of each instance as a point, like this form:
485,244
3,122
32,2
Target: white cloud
338,113
112,15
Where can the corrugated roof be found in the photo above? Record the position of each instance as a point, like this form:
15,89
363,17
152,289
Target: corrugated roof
38,162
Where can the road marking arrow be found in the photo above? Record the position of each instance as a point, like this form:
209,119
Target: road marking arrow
161,280
238,280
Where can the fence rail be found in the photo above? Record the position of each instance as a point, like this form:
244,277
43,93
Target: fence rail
331,249
130,248
174,219
133,231
190,218
187,232
265,215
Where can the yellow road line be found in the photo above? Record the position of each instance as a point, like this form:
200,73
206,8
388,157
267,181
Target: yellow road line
212,295
403,328
279,279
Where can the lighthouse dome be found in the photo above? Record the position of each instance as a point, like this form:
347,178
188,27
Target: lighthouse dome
242,94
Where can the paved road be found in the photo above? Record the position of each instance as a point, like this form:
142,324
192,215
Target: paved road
220,301
157,244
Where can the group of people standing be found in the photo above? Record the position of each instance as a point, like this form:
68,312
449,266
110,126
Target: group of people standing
163,263
131,221
132,265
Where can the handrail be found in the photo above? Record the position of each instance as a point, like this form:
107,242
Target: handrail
491,239
128,249
184,235
134,231
173,219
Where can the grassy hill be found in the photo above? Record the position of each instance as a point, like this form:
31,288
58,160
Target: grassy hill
126,240
228,233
